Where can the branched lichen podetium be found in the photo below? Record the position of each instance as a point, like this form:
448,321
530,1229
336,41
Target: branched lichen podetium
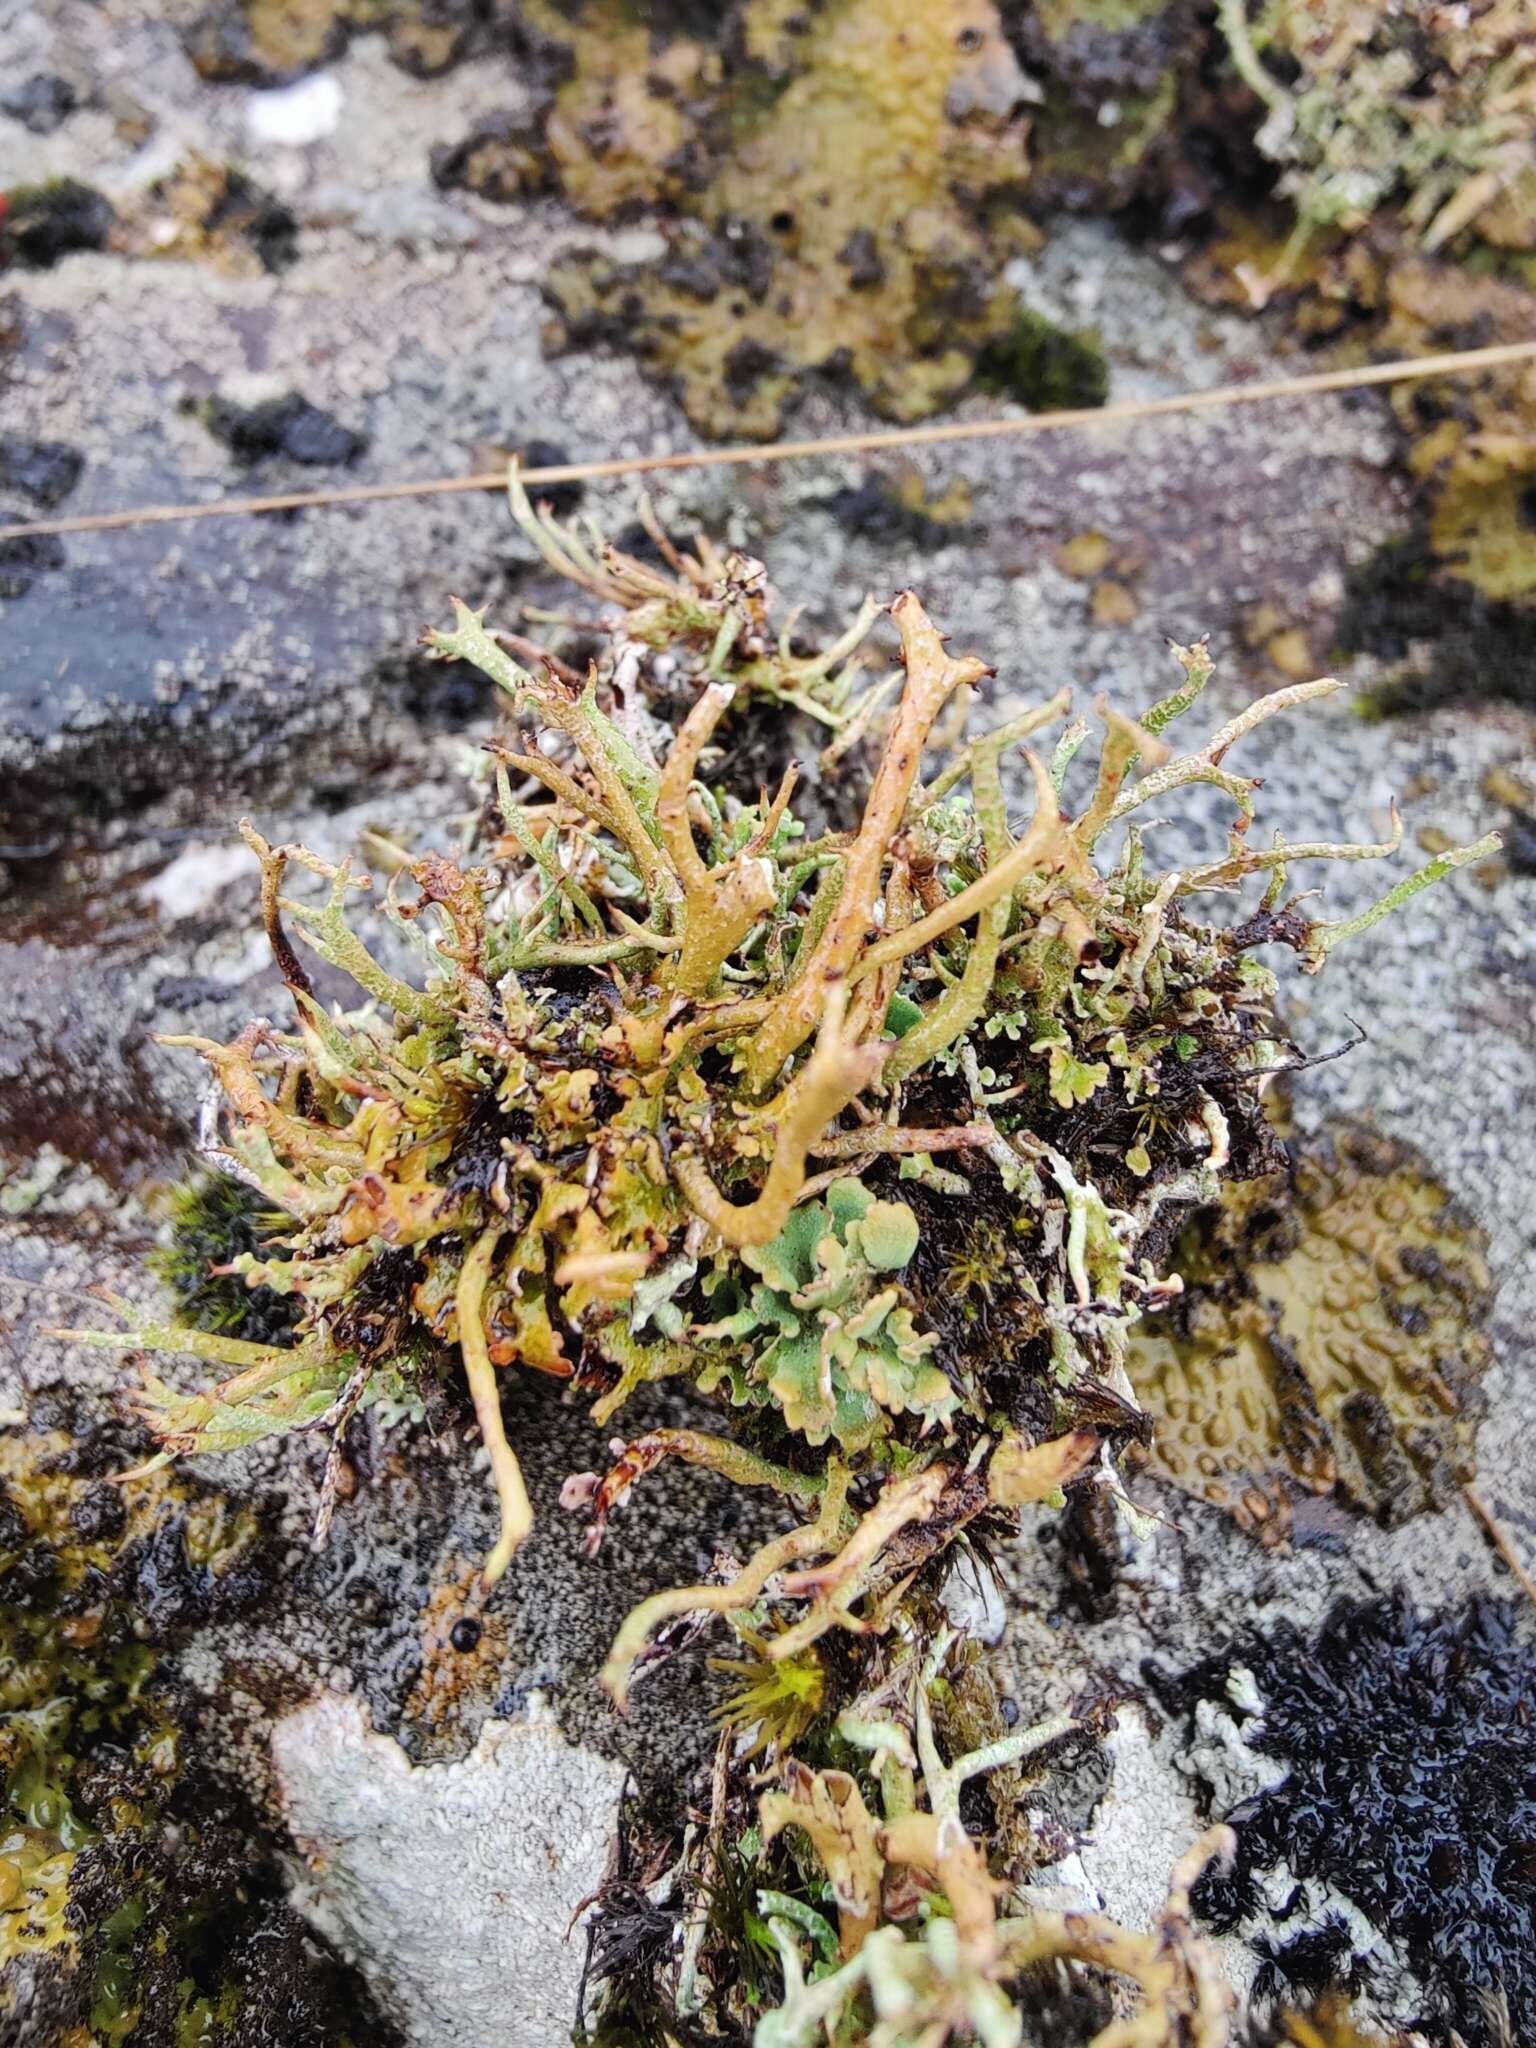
881,1136
685,1093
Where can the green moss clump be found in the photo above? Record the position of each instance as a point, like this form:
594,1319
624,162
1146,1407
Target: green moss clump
216,1220
1044,366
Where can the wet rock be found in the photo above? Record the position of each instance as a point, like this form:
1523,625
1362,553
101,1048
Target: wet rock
288,426
44,471
41,224
135,1880
42,103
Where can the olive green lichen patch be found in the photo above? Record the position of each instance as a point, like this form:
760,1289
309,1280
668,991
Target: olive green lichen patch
209,212
135,1901
1332,1334
847,202
267,42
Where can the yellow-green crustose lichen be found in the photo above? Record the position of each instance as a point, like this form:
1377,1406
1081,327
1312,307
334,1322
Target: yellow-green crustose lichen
1330,1335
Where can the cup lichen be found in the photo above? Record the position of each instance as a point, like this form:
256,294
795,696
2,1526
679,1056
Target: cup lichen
806,1122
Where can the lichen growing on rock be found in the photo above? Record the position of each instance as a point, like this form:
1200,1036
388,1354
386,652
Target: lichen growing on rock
137,1900
878,1891
843,204
590,1142
1433,110
267,42
838,192
879,1138
1407,1785
1459,586
1330,1334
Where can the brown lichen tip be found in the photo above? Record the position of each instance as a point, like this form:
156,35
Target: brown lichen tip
875,1136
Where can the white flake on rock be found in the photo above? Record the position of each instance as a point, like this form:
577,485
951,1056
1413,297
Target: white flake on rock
452,1885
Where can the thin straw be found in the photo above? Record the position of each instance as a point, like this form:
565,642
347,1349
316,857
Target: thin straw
1458,363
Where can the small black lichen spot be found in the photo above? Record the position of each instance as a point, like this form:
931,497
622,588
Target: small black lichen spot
25,558
562,499
43,223
288,426
1411,1788
41,103
44,471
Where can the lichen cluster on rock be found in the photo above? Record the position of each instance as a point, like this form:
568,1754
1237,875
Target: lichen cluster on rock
1433,111
138,1898
879,1139
268,42
1330,1334
843,207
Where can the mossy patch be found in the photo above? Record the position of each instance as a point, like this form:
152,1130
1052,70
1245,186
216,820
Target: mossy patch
1409,1786
138,1900
215,1220
1043,366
